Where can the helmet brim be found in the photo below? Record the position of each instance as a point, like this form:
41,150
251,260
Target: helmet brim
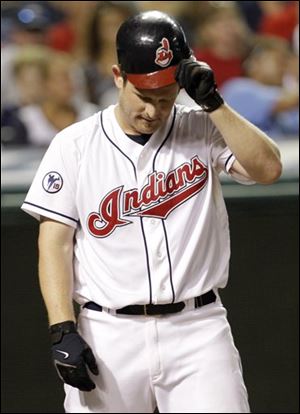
153,80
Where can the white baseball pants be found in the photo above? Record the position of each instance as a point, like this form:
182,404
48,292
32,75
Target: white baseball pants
182,363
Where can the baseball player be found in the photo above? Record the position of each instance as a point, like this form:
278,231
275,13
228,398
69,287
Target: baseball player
134,228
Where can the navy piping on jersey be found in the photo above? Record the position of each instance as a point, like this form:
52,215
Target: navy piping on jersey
172,125
228,160
165,231
141,218
169,259
142,226
148,266
52,211
115,145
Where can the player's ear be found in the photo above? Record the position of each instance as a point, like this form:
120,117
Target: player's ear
118,78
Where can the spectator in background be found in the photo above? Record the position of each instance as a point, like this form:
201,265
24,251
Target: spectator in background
179,10
224,41
261,97
27,24
70,35
28,71
54,109
295,41
31,23
101,50
251,12
279,18
27,75
190,16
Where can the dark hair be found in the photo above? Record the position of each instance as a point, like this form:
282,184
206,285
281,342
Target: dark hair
93,41
123,74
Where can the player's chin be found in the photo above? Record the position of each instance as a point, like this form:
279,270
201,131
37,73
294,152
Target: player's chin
148,127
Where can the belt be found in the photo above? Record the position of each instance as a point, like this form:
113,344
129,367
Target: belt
150,309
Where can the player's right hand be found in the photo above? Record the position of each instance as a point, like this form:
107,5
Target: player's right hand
71,356
199,82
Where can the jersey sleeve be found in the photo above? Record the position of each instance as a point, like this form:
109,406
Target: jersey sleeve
53,191
222,157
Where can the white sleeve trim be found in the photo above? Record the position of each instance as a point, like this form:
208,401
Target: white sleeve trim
237,177
37,211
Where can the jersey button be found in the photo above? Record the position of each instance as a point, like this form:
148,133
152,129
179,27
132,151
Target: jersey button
159,254
153,222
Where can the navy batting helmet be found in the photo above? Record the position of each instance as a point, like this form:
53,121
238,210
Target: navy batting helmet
149,47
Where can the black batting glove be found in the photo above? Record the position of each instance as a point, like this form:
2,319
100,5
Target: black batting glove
71,356
198,80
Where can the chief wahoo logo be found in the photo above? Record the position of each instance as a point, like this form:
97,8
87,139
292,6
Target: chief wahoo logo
164,54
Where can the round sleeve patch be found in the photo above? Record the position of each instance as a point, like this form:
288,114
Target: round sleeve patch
52,182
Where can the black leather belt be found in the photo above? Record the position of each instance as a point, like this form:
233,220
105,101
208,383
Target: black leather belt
199,301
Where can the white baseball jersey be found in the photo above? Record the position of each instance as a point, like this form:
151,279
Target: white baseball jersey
151,223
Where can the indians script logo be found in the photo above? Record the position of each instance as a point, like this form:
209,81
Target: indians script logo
52,182
158,198
164,54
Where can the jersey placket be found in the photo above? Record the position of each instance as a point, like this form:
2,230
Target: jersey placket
155,240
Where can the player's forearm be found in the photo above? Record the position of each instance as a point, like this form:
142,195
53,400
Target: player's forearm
255,151
56,279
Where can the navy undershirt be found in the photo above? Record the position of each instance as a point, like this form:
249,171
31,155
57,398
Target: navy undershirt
140,139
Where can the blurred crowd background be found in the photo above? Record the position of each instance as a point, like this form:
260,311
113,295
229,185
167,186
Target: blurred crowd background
57,58
56,70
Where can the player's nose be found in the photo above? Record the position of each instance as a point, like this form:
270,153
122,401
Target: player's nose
151,111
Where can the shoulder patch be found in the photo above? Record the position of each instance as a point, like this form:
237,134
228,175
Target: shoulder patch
52,182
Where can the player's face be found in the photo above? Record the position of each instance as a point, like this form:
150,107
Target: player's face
143,111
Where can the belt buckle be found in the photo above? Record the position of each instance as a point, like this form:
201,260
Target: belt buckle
156,315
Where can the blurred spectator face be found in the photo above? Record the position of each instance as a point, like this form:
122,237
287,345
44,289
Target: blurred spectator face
28,37
59,83
269,66
108,25
223,28
102,30
30,84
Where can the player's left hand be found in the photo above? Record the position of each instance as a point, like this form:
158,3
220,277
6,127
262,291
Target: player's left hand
198,80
